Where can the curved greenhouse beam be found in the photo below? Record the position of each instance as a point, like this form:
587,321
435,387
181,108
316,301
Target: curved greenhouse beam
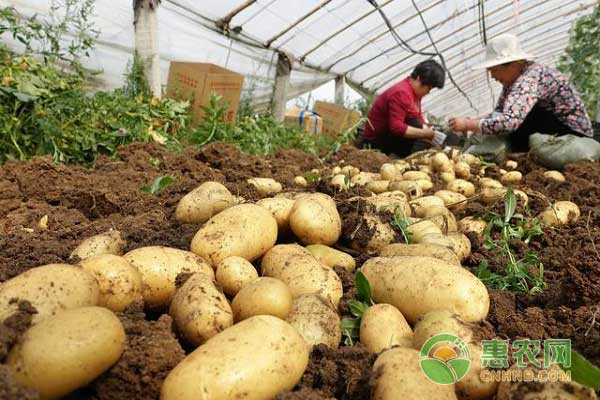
223,23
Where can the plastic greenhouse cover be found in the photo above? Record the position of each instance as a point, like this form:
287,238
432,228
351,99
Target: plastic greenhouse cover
328,38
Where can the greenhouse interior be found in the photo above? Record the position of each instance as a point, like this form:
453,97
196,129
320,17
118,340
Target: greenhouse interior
426,173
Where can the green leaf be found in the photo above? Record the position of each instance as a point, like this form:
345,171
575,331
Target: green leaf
510,205
357,308
159,184
583,371
350,329
362,287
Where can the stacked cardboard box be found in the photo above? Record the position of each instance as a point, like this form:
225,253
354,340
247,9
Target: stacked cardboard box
336,119
306,120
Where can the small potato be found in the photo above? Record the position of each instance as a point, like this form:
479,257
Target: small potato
336,170
159,267
461,186
281,209
341,182
110,242
233,273
263,296
401,166
522,198
470,159
382,326
440,321
489,183
503,171
200,310
510,164
420,249
451,199
363,178
426,168
378,186
440,162
255,359
561,213
461,245
382,235
50,289
472,386
331,257
120,283
448,176
67,351
462,170
424,184
388,172
419,205
490,195
316,320
199,205
472,224
554,175
442,217
300,181
245,230
511,178
415,175
420,229
315,220
410,188
266,186
350,170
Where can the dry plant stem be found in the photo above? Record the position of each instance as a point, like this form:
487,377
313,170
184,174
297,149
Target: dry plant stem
475,197
587,227
592,320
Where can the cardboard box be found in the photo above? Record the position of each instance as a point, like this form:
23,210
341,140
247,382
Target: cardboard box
195,82
336,119
304,119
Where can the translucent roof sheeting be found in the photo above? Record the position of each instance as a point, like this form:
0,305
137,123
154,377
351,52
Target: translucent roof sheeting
328,38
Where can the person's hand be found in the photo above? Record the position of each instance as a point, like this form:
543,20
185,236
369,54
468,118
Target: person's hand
464,124
428,133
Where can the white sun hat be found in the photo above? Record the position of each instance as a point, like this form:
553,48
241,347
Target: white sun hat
502,49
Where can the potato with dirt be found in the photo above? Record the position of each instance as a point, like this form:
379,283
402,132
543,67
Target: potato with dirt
440,321
382,234
382,326
461,186
442,217
472,386
262,296
560,213
394,202
110,242
421,249
332,257
265,186
199,205
472,225
410,188
416,285
51,289
281,209
420,204
316,320
315,219
233,273
245,230
67,350
255,359
159,267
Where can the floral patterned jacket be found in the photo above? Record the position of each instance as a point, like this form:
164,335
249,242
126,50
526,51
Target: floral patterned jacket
542,85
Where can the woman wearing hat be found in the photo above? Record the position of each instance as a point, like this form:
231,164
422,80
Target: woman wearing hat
535,98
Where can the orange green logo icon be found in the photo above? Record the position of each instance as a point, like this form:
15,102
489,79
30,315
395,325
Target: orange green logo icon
445,358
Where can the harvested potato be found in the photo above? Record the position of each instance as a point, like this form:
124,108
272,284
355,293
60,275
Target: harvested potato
159,267
462,170
420,249
378,186
426,168
255,359
440,162
401,166
67,351
490,195
554,175
420,229
420,204
110,242
448,176
200,310
301,272
265,186
440,321
415,175
340,182
262,296
233,273
281,209
382,234
388,172
398,375
561,213
472,386
472,224
316,320
489,183
470,159
315,220
199,205
50,289
416,285
120,283
363,178
461,245
502,171
442,217
350,170
300,181
331,257
245,230
461,186
452,199
410,188
511,178
522,198
382,326
395,202
424,184
336,170
510,164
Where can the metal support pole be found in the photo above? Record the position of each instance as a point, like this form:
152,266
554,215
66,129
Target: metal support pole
340,84
145,23
282,78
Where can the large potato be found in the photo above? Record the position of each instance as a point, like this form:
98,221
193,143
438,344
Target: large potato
332,257
301,272
415,175
426,184
120,282
315,220
420,249
363,178
490,195
440,162
255,359
461,186
199,205
382,326
419,229
561,213
50,289
398,376
461,245
388,172
378,187
67,351
245,230
110,242
263,296
316,320
233,273
420,204
440,321
382,234
281,209
395,202
416,285
200,310
462,170
159,267
472,386
442,217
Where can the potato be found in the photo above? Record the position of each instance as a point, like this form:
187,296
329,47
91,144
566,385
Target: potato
110,242
301,272
398,375
281,209
316,320
440,321
265,186
255,359
438,239
442,217
388,172
561,213
382,235
461,245
350,170
461,186
554,175
420,249
426,168
420,204
472,387
245,230
421,228
378,186
452,199
511,178
489,183
200,310
382,326
416,285
341,182
200,204
159,267
510,164
462,170
332,257
315,220
263,296
401,166
50,289
67,351
300,181
490,195
363,178
120,283
395,202
336,170
502,171
233,273
440,162
522,198
424,184
415,175
470,159
410,188
472,224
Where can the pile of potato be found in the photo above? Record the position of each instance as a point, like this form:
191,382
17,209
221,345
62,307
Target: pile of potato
253,307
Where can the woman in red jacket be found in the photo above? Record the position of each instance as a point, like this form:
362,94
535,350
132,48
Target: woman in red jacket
395,122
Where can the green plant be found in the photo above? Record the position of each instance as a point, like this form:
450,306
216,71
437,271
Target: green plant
158,184
401,222
136,83
583,371
523,275
351,326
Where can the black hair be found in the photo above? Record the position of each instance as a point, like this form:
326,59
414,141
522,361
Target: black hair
430,73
